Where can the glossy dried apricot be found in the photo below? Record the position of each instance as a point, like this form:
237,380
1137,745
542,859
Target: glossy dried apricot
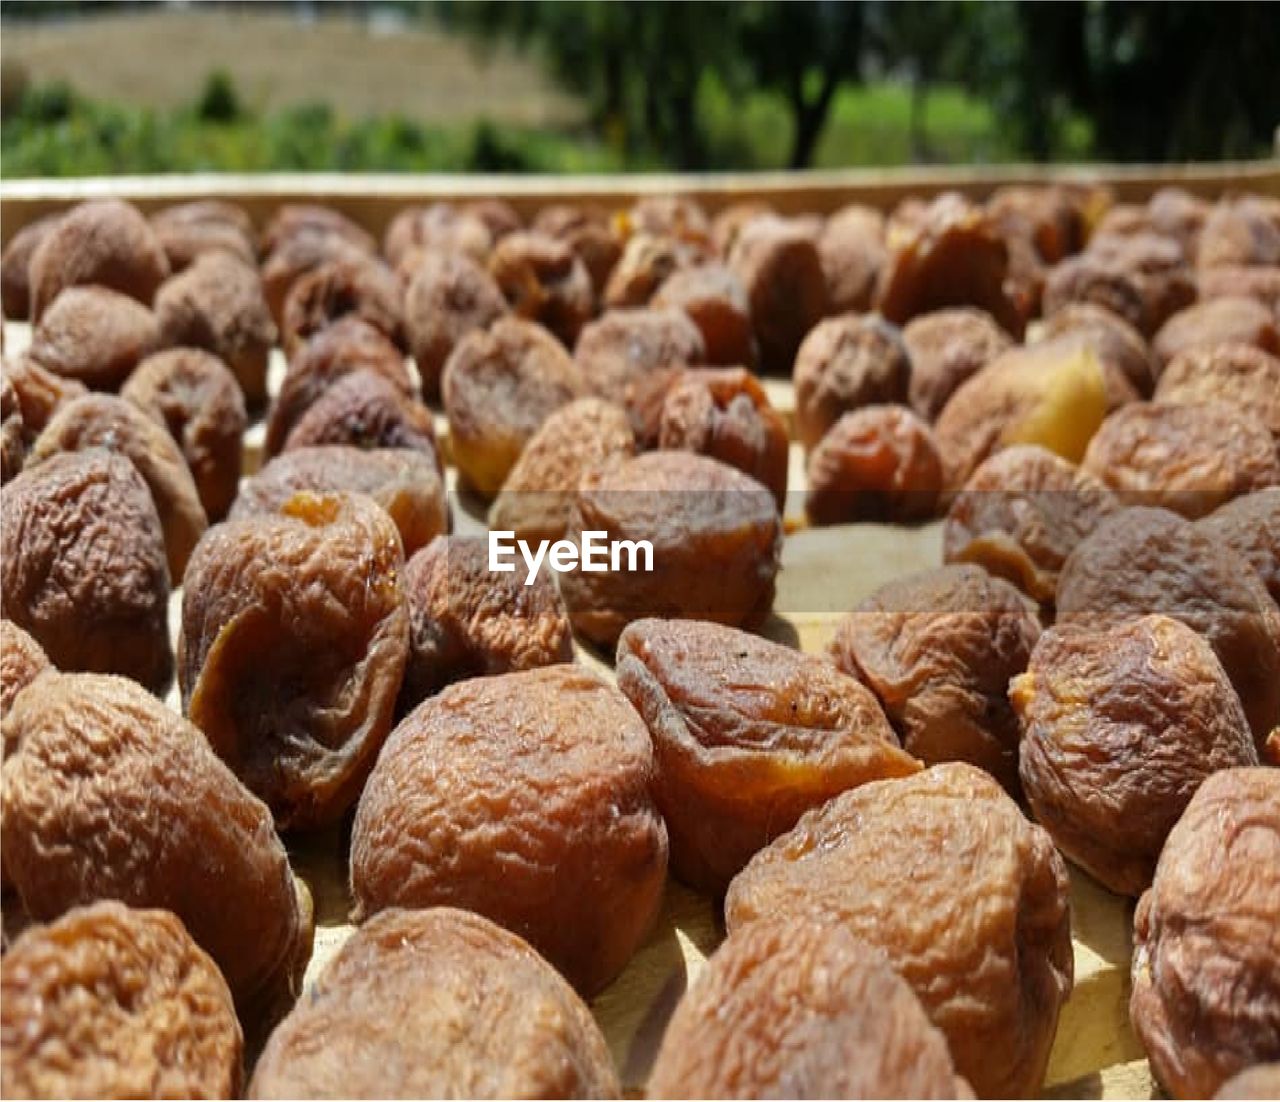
544,280
716,302
646,262
586,230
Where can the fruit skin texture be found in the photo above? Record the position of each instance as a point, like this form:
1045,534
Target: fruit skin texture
947,347
1250,526
364,409
437,1003
21,662
364,287
295,632
109,1002
1119,728
747,735
95,336
525,798
111,795
795,1007
83,566
1206,977
1237,374
967,900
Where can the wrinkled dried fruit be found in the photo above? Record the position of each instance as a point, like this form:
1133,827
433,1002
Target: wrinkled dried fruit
1190,458
647,261
114,796
846,363
729,221
15,289
40,393
468,621
747,735
876,463
21,662
1055,216
295,221
437,1004
680,215
525,798
725,414
95,336
716,537
218,304
851,247
1217,321
106,421
1114,339
106,242
1150,560
716,302
1206,964
406,483
449,295
364,287
588,233
1021,514
194,395
938,649
187,230
1259,1081
364,409
498,388
1237,374
1250,526
298,255
84,569
295,631
436,229
13,434
1260,284
979,929
1239,233
110,1002
544,280
1120,725
537,495
945,348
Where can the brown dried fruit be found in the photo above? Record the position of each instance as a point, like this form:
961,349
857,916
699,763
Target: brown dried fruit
1237,374
94,336
299,221
1151,560
348,345
295,257
364,287
845,363
114,796
109,1002
1239,233
716,537
84,569
1190,458
194,395
218,304
544,280
525,798
728,222
876,463
364,409
800,1008
1054,216
992,982
646,263
398,1014
13,435
1021,514
15,288
938,649
498,388
747,736
106,421
1261,284
40,393
779,265
187,230
716,302
1120,725
106,242
587,232
468,621
1218,321
1250,526
1259,1081
21,662
1206,982
538,493
1114,339
678,215
725,414
944,349
406,483
438,228
295,631
449,295
499,216
852,250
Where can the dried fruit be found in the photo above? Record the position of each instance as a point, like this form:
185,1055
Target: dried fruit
1259,1081
679,215
15,288
1260,284
586,230
106,421
298,221
1114,339
716,539
40,393
1206,964
399,1013
364,287
1217,321
21,662
525,798
1150,560
187,230
876,463
365,409
716,302
544,280
499,386
1120,725
851,247
114,796
439,229
747,735
729,221
992,982
944,349
647,261
1190,458
468,621
1238,374
109,1002
83,566
938,649
846,363
1250,526
13,435
297,255
1239,233
194,395
406,483
95,336
1054,215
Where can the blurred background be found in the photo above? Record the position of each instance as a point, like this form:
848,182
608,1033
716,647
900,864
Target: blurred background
94,88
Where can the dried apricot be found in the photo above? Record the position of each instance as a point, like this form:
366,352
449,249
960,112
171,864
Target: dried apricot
13,432
1116,341
1239,375
364,287
21,662
1239,233
1260,284
187,230
647,261
944,349
544,280
15,287
365,409
40,393
1054,215
295,256
94,336
851,247
716,302
1217,321
1250,526
437,228
586,230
